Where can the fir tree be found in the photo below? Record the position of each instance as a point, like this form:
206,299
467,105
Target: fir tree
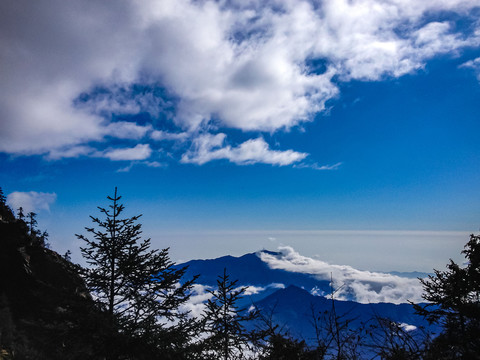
137,286
42,239
6,214
225,321
68,256
454,302
32,223
20,214
3,199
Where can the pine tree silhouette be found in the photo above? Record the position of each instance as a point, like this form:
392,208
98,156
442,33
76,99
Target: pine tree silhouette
137,286
225,320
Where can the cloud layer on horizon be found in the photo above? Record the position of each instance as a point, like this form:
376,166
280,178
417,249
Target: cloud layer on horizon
365,286
253,66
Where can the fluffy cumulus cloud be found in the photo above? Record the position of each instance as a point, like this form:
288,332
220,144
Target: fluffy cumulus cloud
31,201
69,70
365,286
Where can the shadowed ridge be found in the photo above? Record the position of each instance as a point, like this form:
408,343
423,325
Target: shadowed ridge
249,269
292,310
46,311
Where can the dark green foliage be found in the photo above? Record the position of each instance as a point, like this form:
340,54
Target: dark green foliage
136,286
454,297
225,321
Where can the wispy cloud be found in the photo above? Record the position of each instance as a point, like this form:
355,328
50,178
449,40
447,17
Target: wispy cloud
473,64
31,201
122,99
316,166
159,135
139,152
365,286
127,130
70,152
152,164
209,147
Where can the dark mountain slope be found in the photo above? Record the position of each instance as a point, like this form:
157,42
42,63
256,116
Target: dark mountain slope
249,269
46,311
292,310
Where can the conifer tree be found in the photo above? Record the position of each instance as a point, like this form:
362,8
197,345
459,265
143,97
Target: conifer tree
5,211
454,302
225,321
20,214
32,222
3,199
136,286
68,256
42,239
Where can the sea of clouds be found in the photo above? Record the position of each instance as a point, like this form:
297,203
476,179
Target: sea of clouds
348,282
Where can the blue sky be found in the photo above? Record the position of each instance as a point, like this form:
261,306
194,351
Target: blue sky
346,129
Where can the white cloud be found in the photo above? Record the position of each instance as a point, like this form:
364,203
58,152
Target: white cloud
253,290
126,169
123,99
208,147
31,201
139,152
316,291
126,130
200,295
152,164
196,304
164,135
242,65
316,166
473,64
70,152
365,286
408,327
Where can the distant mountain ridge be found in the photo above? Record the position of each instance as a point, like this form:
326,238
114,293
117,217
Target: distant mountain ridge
410,274
291,296
270,270
250,270
293,309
